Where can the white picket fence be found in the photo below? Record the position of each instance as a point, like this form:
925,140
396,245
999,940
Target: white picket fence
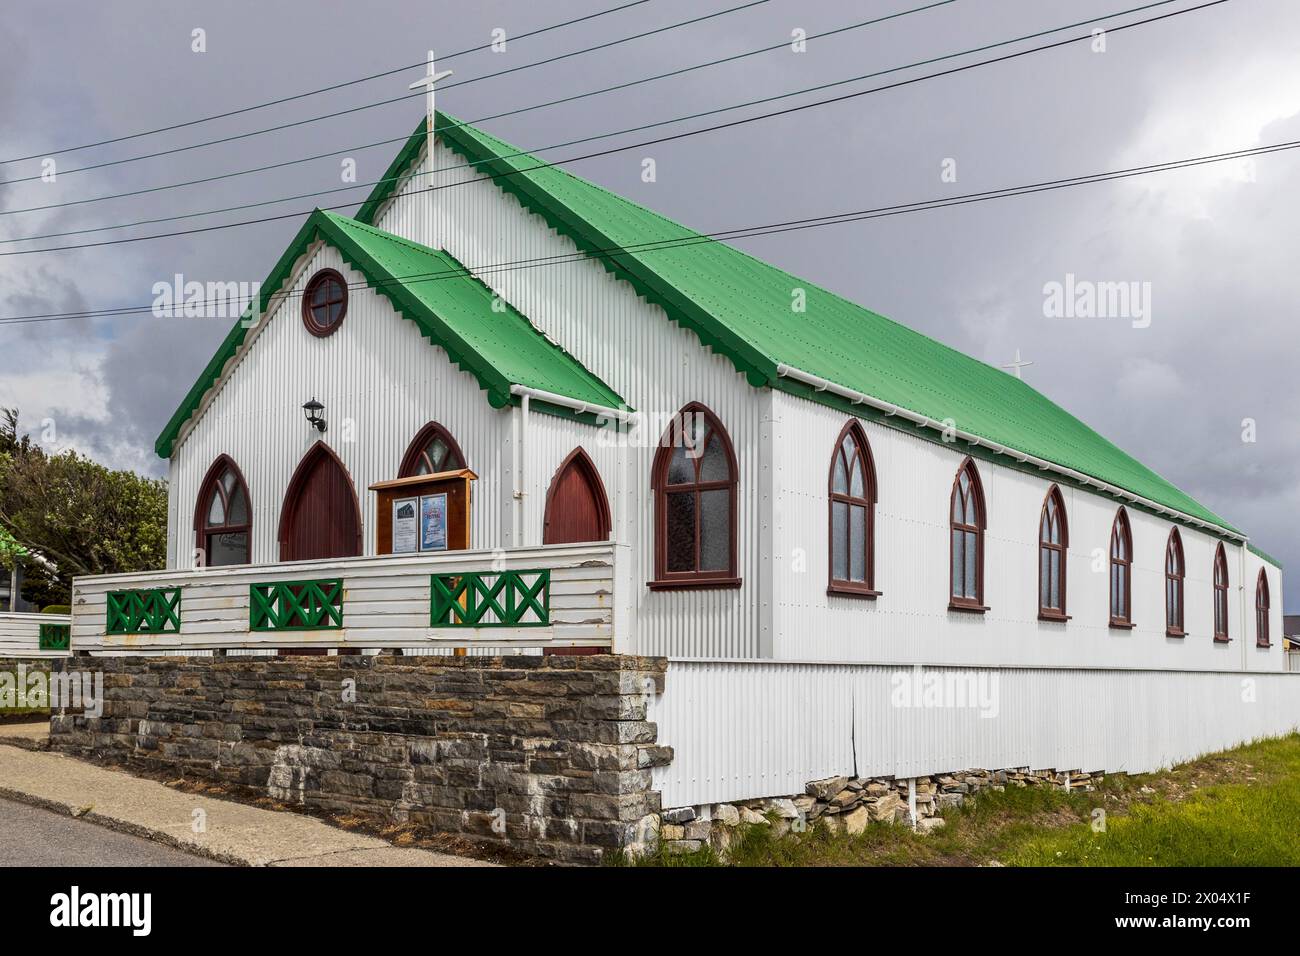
748,729
20,634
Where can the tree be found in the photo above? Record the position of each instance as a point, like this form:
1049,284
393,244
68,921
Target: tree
75,516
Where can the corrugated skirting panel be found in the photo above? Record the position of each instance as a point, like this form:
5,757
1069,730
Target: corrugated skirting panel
746,729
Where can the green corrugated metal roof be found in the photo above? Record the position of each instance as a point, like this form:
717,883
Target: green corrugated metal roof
452,308
741,307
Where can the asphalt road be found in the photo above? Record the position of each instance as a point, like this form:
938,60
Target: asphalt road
30,836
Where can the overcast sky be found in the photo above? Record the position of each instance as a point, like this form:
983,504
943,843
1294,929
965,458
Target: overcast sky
1217,244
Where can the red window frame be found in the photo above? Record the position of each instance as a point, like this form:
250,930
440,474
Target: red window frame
673,437
968,503
861,462
417,452
1262,637
1052,518
1121,571
309,317
1175,585
1221,630
213,484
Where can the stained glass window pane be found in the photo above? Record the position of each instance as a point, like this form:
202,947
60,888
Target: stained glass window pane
858,544
714,465
1044,578
859,483
227,549
437,452
840,540
681,532
238,508
681,468
957,555
841,480
972,563
715,530
216,511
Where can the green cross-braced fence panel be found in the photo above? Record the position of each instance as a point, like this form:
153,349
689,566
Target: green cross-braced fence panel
55,637
147,611
296,605
490,599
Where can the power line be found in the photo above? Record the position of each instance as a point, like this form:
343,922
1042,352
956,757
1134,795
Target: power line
323,89
484,119
674,136
744,232
394,99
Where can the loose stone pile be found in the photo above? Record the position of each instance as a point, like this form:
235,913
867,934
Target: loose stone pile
848,804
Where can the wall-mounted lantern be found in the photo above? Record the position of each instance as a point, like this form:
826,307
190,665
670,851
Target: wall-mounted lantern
313,410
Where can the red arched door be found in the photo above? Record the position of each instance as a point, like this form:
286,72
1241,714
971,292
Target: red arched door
320,517
576,506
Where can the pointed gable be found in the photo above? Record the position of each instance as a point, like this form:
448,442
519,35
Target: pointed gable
481,334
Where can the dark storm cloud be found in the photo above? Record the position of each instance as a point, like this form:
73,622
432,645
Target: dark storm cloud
1217,250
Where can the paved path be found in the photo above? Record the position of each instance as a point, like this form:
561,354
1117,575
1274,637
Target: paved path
231,832
30,836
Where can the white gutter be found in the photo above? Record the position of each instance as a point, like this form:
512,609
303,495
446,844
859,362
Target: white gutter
860,398
553,398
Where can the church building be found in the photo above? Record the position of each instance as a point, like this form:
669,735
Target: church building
496,356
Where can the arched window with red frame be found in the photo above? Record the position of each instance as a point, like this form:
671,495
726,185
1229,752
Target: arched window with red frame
431,451
1261,610
1053,546
966,556
694,480
852,515
1220,594
223,516
1121,571
1174,573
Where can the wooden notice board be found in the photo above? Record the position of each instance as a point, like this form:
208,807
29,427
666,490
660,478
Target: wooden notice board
441,504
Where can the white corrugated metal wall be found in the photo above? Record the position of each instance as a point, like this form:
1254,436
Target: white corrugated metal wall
747,729
910,621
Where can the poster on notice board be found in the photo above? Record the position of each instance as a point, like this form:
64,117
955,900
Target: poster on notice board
433,522
406,526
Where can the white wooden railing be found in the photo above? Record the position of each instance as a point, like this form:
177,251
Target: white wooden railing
20,635
564,595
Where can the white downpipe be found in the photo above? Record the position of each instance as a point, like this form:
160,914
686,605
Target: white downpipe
860,398
521,488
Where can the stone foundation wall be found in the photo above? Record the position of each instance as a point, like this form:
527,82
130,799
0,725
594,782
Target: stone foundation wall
848,804
550,756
